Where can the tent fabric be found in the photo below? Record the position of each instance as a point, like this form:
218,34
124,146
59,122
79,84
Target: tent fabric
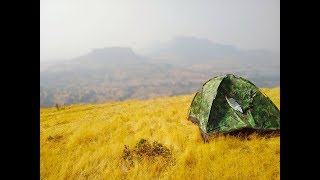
213,113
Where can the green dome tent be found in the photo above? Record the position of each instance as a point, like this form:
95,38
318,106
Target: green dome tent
229,103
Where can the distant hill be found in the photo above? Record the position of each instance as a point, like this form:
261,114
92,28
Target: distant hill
176,67
110,54
188,49
107,57
194,50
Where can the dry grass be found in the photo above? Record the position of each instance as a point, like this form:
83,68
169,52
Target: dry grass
87,142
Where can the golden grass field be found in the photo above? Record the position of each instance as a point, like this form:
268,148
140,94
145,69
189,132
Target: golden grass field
87,142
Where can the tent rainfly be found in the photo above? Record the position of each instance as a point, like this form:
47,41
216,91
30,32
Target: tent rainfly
229,103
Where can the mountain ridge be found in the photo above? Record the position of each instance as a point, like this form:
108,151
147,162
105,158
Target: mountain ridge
119,73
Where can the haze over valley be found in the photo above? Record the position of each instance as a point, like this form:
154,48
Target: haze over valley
178,66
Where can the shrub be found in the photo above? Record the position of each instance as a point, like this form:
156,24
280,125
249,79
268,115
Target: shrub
148,151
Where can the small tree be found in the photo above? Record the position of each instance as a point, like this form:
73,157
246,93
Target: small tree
57,106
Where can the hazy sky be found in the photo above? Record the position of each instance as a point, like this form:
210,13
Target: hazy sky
69,28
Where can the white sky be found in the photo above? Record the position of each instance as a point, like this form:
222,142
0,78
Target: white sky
70,28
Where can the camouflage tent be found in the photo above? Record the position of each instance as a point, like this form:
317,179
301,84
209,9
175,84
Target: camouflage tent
228,103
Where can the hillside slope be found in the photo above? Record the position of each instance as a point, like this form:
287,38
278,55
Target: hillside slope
87,142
